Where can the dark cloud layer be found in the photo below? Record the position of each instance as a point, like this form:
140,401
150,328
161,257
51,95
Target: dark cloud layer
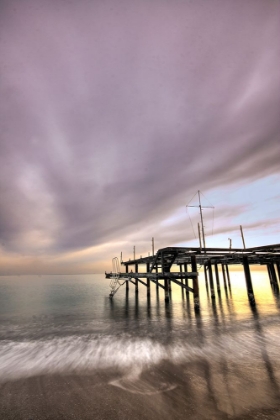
112,113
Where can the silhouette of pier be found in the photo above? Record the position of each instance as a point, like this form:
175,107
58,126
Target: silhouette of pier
180,265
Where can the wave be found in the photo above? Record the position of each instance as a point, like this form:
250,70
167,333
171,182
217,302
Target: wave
128,354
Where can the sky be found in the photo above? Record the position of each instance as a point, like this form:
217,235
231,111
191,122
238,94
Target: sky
114,114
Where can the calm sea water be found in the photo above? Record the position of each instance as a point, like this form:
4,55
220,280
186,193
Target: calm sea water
67,324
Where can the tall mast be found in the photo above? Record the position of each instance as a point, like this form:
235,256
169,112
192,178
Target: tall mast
201,218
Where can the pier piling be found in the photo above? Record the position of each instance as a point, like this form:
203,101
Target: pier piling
217,277
248,279
205,275
228,277
186,278
166,290
211,279
195,283
224,276
278,271
273,273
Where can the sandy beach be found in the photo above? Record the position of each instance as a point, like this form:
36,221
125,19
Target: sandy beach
168,392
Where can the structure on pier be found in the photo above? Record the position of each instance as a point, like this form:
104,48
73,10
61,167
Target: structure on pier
180,265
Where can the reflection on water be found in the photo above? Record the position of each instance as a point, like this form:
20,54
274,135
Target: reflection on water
226,355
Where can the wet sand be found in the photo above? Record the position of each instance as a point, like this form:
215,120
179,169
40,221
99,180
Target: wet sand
197,391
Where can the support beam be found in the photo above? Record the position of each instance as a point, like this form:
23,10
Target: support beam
158,284
142,282
189,289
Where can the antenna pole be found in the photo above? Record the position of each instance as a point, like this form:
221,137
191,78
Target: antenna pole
243,240
201,218
153,246
199,235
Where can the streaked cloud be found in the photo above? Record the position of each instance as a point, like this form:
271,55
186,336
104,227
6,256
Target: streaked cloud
114,113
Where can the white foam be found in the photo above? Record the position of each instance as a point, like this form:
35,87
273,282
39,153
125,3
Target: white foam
128,354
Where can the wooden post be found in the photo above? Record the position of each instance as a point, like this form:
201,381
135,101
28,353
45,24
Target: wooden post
166,290
205,274
169,285
127,281
166,285
136,280
186,279
269,272
224,276
243,240
278,271
228,278
211,279
273,273
217,277
182,290
148,287
148,280
249,285
195,283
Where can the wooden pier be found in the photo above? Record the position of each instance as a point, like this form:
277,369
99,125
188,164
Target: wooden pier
180,266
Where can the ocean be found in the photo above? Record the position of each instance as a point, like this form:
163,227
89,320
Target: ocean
68,351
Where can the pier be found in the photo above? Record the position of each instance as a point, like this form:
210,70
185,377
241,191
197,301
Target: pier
180,265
